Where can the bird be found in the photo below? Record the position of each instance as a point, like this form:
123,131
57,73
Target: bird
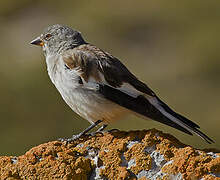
99,87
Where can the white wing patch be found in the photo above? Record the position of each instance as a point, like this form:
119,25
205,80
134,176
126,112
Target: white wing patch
125,87
130,90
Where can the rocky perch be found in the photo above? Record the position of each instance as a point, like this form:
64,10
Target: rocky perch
148,154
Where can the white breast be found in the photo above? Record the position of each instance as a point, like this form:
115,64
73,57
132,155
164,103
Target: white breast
83,99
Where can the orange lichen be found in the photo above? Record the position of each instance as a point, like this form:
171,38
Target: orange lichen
117,155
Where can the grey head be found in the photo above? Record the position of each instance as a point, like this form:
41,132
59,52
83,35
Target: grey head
58,38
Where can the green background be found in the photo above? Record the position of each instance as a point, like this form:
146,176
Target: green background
172,46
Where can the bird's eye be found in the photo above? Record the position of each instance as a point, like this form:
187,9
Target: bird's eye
47,36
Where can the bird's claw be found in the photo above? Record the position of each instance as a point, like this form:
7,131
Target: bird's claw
75,137
69,140
95,133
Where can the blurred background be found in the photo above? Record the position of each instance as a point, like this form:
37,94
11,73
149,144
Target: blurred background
172,46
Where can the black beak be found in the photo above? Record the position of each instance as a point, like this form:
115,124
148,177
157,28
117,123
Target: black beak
37,42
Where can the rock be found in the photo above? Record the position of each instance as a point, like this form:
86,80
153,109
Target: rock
147,154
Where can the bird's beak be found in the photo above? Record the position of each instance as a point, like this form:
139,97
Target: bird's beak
37,42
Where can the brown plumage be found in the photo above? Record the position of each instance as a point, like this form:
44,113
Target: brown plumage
98,87
92,61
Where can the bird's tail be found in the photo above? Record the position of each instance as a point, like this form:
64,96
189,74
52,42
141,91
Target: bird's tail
152,107
162,113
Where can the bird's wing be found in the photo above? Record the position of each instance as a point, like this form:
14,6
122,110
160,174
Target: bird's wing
114,81
97,65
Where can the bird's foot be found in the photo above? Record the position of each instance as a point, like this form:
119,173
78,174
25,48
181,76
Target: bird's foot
85,132
101,128
73,138
77,136
95,133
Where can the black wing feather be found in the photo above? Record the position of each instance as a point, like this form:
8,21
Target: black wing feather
180,117
115,74
140,105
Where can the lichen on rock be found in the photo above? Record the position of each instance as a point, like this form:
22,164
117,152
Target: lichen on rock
147,154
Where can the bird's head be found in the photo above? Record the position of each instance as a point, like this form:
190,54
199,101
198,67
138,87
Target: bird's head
57,38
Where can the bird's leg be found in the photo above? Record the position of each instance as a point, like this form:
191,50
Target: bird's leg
102,128
90,127
99,131
74,137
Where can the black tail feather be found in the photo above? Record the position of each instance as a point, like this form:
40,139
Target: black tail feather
186,122
142,106
139,105
178,116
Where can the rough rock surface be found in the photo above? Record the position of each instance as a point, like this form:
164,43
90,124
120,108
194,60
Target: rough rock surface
148,154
